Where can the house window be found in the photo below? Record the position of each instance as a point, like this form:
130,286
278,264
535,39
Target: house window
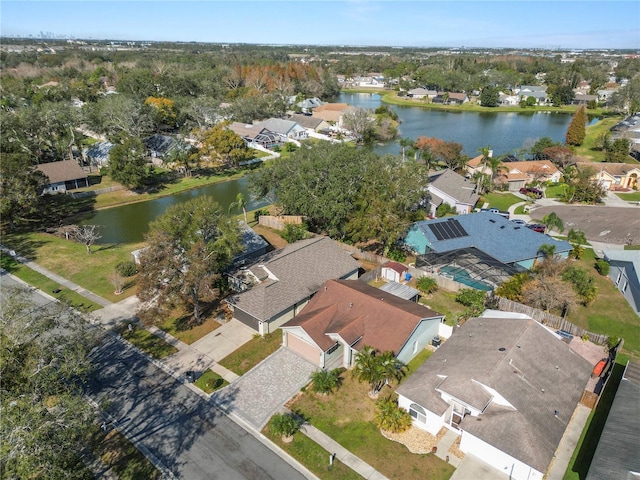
417,413
415,346
624,287
619,277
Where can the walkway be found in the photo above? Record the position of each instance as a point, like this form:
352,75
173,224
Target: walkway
568,443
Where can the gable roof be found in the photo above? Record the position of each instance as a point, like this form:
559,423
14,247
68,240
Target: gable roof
291,274
332,107
400,290
533,371
532,167
63,171
618,451
491,234
278,125
627,256
614,169
361,315
307,121
395,266
454,185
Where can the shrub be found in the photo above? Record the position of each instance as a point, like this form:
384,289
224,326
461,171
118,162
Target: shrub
470,297
260,212
427,284
284,424
390,417
396,254
577,251
602,266
325,381
512,288
127,269
445,209
582,282
292,233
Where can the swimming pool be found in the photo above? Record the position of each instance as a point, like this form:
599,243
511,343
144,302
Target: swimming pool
462,276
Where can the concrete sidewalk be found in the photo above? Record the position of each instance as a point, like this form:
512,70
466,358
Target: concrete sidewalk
568,443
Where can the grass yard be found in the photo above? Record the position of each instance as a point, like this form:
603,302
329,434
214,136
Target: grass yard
146,341
252,353
37,280
555,191
501,201
210,381
347,416
184,329
588,150
630,197
313,456
586,447
609,313
71,260
418,360
444,302
116,452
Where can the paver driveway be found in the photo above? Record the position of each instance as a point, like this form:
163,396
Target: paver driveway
262,391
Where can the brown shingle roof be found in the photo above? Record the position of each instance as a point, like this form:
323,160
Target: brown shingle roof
64,171
334,107
614,169
359,312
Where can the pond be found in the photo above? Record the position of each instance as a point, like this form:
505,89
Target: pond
504,132
129,223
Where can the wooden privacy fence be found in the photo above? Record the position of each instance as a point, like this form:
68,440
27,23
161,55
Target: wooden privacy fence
548,319
278,223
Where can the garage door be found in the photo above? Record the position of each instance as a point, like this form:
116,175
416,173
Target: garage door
247,319
303,348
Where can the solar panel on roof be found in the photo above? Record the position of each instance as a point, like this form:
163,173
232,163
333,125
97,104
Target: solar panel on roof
448,230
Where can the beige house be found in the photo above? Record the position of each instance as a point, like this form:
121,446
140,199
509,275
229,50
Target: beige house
332,112
614,176
520,174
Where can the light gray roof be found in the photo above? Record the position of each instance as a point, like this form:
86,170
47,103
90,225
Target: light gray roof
628,256
297,271
307,121
278,125
99,151
399,290
618,451
251,243
526,364
455,186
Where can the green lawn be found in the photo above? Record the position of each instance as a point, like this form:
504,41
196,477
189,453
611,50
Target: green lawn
418,360
210,381
39,281
347,416
71,260
252,353
184,329
630,197
444,302
313,456
588,149
586,447
146,341
555,191
501,201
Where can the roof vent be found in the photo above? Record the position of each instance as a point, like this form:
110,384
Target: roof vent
502,227
516,228
350,304
501,349
492,220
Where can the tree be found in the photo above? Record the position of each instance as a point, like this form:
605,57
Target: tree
285,425
377,368
86,234
128,164
427,284
563,95
577,236
165,112
118,116
19,188
537,149
617,151
325,381
390,417
448,153
494,164
44,364
490,97
360,123
559,155
189,247
582,186
577,128
241,203
405,143
548,293
512,288
553,221
117,281
221,143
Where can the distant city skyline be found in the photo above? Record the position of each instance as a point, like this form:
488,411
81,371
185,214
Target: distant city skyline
472,24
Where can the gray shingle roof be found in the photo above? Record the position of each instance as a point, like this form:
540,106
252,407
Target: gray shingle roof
493,235
455,186
307,121
536,373
277,125
63,171
300,269
618,451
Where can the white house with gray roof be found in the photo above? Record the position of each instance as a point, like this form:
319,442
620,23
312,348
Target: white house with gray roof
286,129
625,274
448,187
274,288
507,385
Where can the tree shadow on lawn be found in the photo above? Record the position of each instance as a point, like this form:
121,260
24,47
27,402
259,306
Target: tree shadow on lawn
23,245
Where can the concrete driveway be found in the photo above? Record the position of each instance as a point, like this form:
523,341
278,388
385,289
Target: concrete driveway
224,340
472,468
264,390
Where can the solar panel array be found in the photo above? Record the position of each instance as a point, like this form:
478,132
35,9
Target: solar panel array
448,230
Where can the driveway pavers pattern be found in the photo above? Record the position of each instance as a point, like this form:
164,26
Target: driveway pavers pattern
264,390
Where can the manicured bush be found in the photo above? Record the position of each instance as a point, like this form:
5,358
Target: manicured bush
127,269
284,424
602,266
325,381
292,233
390,417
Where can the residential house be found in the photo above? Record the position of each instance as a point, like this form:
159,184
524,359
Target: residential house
535,91
478,165
286,129
332,112
507,385
98,154
582,98
625,274
618,452
520,174
63,176
160,145
614,176
508,100
448,187
451,98
346,315
394,271
492,234
255,136
420,93
275,287
253,245
373,80
312,124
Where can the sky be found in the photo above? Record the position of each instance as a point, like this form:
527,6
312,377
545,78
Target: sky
517,24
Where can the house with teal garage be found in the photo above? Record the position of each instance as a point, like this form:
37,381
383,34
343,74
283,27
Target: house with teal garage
483,247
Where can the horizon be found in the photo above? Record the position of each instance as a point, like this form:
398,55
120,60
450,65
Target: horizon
568,25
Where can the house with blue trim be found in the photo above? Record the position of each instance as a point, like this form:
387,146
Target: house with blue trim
492,234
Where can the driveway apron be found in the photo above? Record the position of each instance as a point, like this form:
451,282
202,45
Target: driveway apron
264,390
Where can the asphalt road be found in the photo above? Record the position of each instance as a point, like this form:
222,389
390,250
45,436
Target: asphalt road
187,434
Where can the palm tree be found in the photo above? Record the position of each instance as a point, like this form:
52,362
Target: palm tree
392,367
486,155
553,221
405,143
368,369
324,381
390,417
285,425
241,202
494,164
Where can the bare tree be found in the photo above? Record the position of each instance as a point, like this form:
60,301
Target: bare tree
117,281
87,234
359,122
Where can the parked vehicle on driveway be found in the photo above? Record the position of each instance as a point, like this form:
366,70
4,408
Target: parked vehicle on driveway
536,227
536,192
